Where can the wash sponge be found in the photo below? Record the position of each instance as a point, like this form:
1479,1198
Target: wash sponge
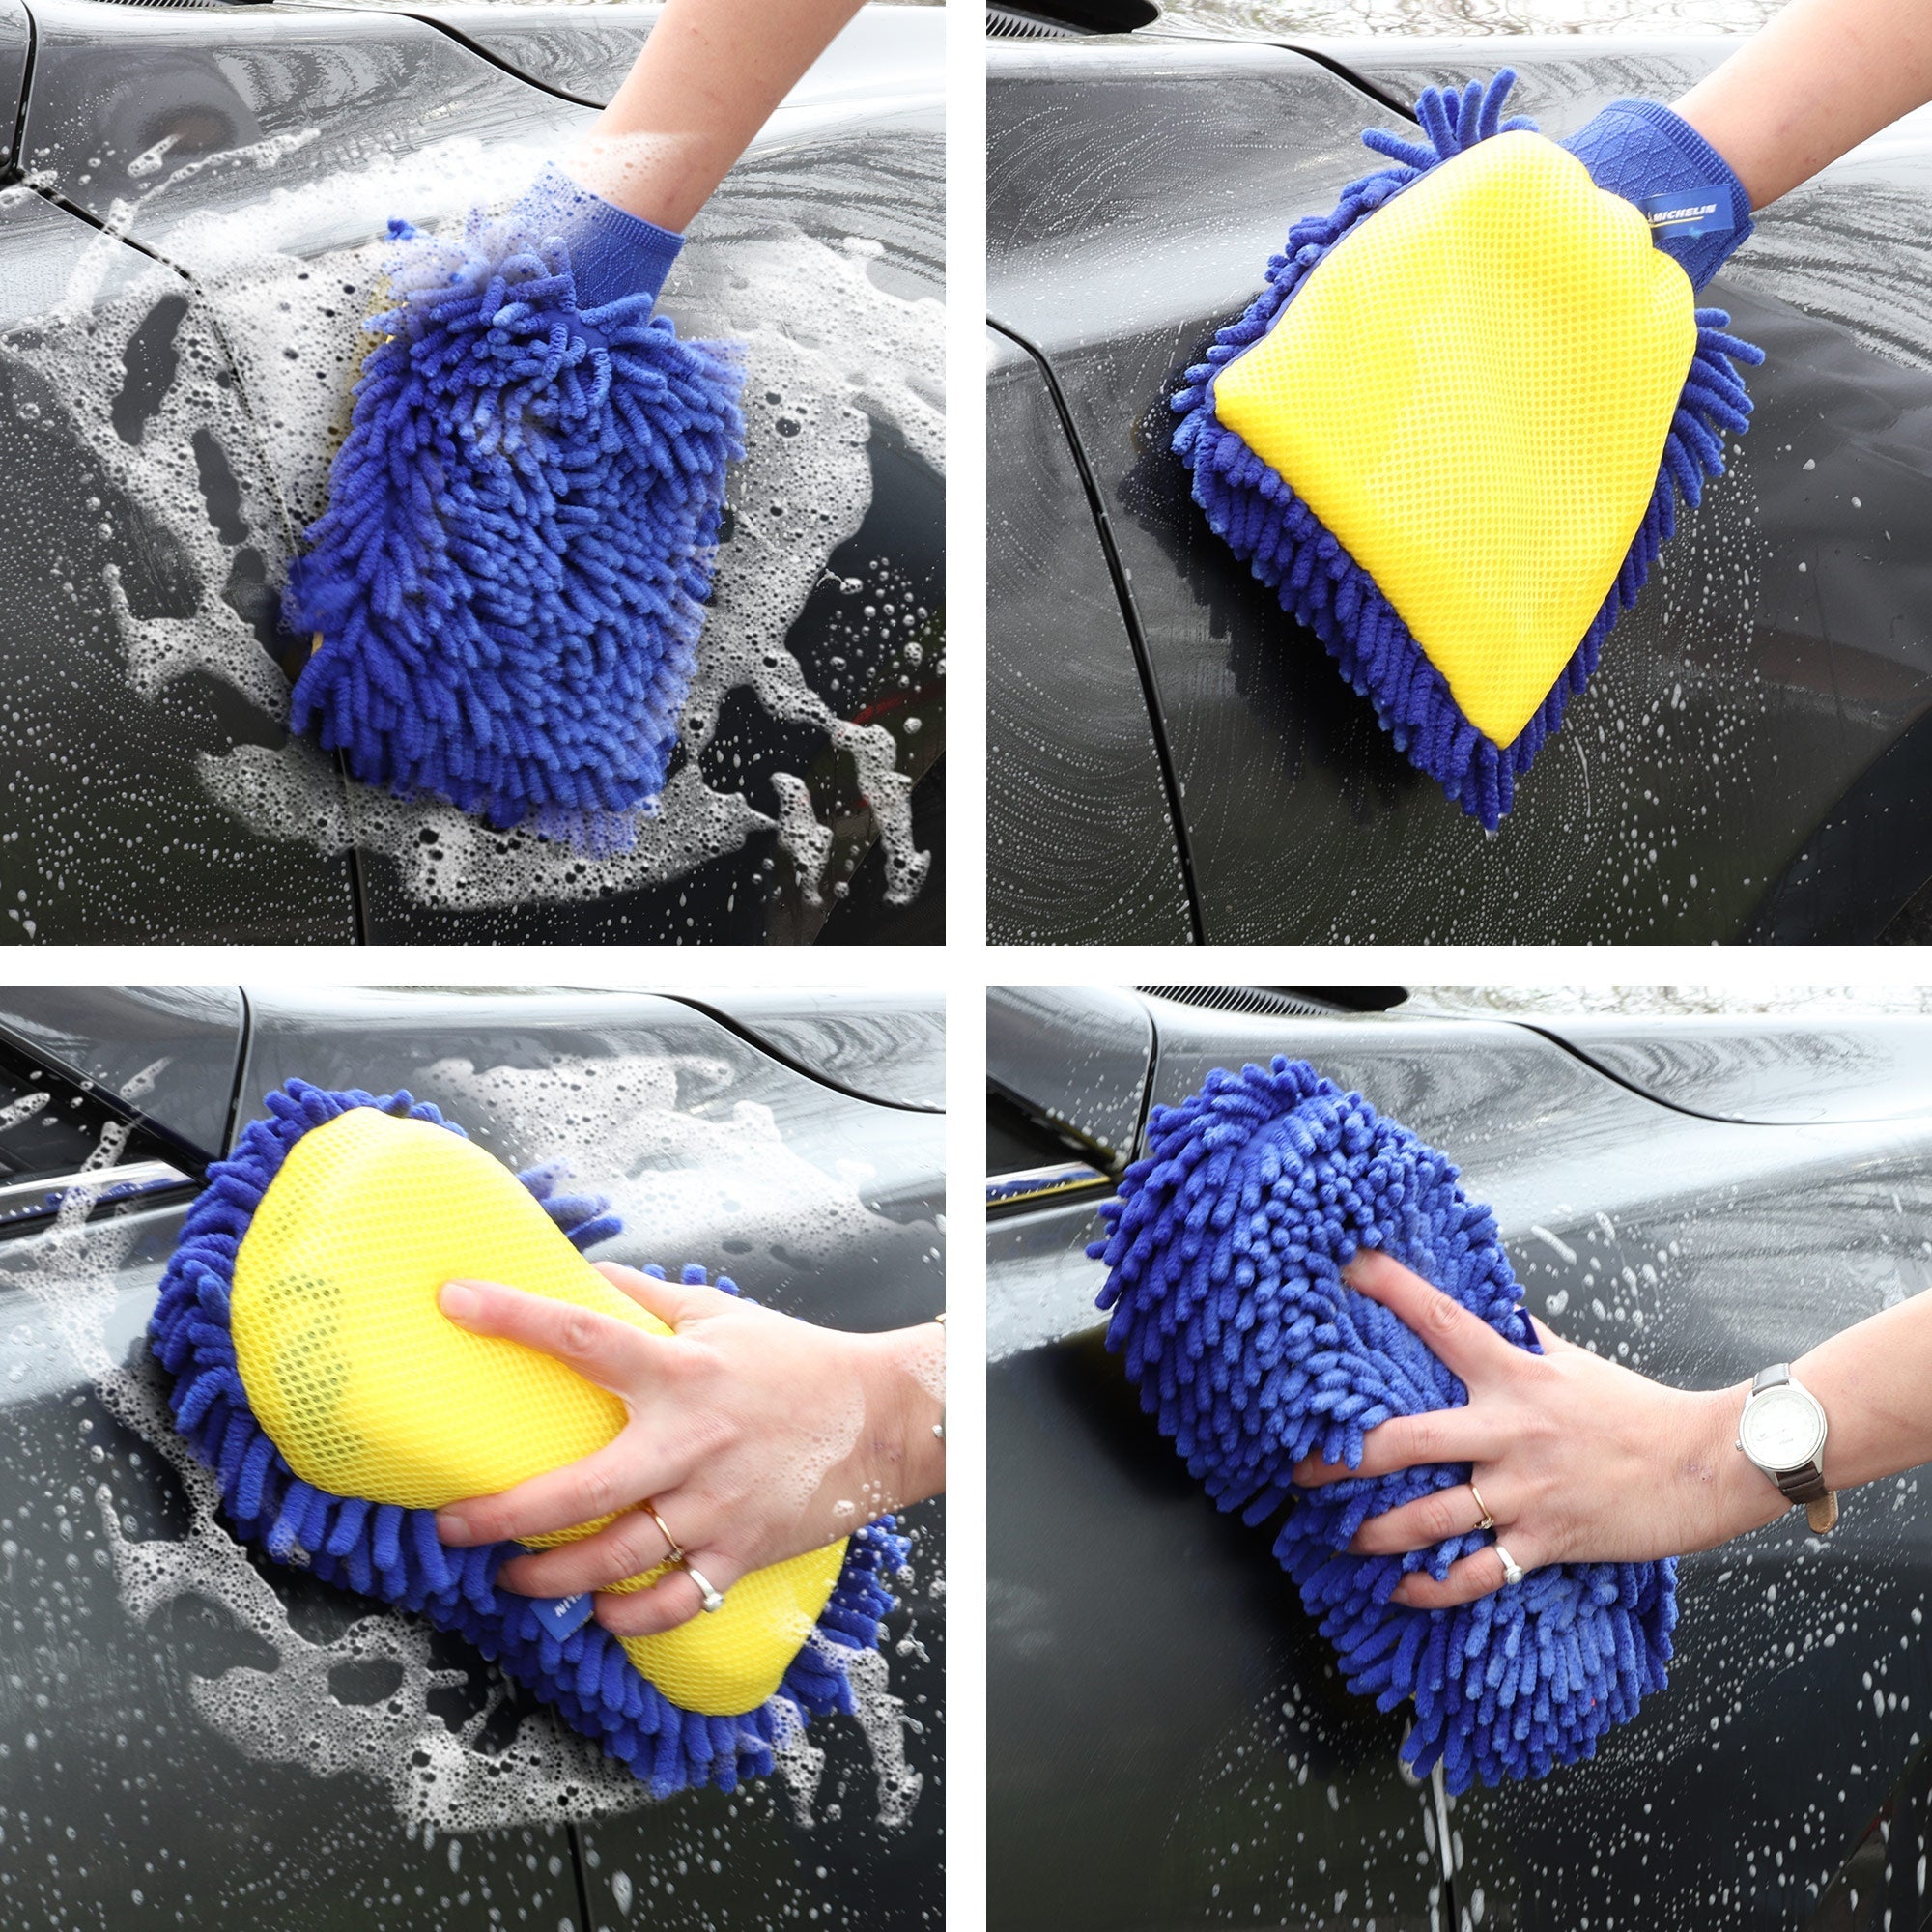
314,1372
1451,432
506,587
1223,1253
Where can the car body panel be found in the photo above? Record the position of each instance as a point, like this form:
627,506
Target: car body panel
1784,643
1074,782
253,158
1773,1069
1693,1248
233,1741
893,1050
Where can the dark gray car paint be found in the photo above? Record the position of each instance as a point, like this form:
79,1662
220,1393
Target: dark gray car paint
1137,187
121,1802
1076,793
1691,1249
1096,1090
100,769
17,39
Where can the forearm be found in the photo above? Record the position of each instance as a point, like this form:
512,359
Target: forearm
1821,77
705,82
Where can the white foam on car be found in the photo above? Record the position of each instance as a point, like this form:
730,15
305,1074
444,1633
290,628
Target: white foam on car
612,1116
277,307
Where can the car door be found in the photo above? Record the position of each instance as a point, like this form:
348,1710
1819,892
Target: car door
254,161
1746,763
1773,1192
188,1728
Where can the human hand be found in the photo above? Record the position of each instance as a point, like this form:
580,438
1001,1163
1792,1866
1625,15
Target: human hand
1577,1459
754,1436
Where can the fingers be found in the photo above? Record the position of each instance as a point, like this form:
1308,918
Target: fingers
1551,1340
619,1552
1477,1575
603,1349
1421,1524
672,1302
1462,1342
610,1479
1436,1436
673,1599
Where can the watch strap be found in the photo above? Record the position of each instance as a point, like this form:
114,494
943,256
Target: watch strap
1802,1484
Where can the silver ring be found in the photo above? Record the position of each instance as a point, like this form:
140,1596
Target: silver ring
1513,1570
715,1601
1488,1522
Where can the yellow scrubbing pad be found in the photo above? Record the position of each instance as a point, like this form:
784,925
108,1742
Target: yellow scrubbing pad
369,1390
1472,392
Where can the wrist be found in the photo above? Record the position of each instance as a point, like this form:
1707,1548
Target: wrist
1742,1496
614,251
903,1457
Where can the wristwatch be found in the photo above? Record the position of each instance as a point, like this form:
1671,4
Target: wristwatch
1782,1430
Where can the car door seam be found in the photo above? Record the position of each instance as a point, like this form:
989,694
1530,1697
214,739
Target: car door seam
1136,636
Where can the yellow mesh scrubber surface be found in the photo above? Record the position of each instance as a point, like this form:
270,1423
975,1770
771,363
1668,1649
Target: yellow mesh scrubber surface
1450,431
316,1374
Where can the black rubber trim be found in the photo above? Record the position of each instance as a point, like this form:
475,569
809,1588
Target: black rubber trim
242,1045
498,61
1130,616
1354,81
12,169
750,1037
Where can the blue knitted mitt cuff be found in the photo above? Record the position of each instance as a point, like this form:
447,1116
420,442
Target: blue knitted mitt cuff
612,252
1652,156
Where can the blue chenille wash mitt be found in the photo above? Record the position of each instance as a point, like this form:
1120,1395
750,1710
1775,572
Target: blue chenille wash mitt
1451,432
313,1339
1224,1251
506,587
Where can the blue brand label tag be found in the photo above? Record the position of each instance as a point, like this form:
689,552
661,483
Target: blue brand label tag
1688,212
561,1615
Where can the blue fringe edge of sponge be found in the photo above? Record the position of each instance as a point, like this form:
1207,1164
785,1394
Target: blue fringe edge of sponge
392,1553
1256,514
1224,1251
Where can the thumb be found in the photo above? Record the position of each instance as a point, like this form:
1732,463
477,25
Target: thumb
675,1303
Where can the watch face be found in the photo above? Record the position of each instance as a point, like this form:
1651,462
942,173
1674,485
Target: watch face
1782,1429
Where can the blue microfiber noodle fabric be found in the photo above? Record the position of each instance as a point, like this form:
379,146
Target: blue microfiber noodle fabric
510,577
391,1553
1223,1253
1261,518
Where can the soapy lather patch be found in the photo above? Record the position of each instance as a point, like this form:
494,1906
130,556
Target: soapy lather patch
828,350
439,1780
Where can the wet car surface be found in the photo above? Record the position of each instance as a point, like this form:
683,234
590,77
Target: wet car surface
192,238
191,1734
1747,761
1168,1745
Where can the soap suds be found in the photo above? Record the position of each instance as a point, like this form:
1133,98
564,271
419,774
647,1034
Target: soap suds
439,1780
274,306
